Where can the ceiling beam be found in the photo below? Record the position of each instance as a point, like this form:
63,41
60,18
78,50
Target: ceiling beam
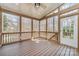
64,11
68,15
51,11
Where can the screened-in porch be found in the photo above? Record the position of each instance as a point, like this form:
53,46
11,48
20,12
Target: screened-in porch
37,29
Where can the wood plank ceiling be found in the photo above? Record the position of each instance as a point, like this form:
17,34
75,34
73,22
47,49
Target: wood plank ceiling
30,9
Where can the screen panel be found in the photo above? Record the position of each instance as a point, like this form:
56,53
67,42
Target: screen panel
43,25
26,24
10,23
50,25
35,25
35,28
43,28
55,23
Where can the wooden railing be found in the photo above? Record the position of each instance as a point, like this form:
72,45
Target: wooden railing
10,37
14,37
54,37
20,36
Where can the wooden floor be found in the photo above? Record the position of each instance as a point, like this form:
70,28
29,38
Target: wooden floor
43,48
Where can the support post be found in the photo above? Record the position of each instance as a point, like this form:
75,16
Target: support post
0,27
53,24
20,27
78,31
39,28
58,39
31,28
46,29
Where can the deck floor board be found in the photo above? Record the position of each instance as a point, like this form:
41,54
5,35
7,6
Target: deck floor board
43,48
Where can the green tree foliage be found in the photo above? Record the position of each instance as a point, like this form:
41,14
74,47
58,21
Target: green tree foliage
5,21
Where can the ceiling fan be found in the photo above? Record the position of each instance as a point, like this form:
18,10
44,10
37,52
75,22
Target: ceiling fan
37,5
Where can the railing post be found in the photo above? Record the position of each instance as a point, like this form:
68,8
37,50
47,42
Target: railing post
0,39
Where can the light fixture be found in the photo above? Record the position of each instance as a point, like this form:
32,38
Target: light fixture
37,5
